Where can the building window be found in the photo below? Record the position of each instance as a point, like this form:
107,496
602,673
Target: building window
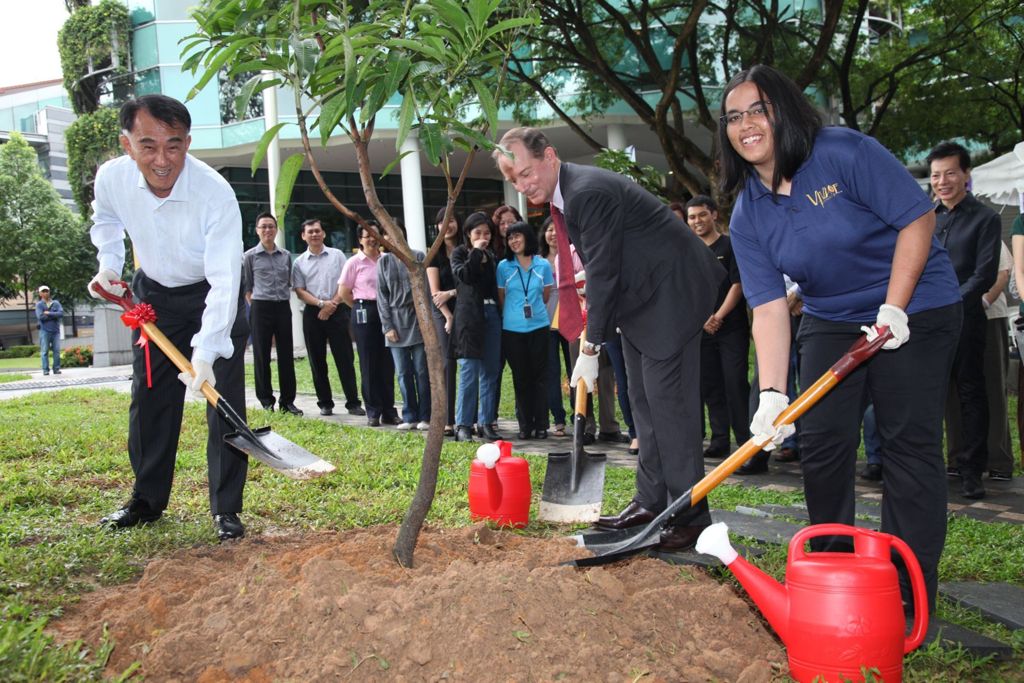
230,87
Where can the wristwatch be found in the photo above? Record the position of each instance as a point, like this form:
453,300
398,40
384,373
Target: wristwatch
592,349
319,303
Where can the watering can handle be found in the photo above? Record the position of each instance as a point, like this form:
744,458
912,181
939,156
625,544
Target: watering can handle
917,633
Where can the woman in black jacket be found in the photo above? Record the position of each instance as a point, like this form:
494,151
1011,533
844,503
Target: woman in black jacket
476,335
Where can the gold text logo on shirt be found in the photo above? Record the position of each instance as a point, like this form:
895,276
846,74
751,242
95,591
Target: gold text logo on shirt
824,194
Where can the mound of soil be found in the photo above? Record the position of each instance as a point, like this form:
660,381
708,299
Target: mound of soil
481,605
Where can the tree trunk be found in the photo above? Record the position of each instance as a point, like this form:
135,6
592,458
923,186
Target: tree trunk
408,533
28,308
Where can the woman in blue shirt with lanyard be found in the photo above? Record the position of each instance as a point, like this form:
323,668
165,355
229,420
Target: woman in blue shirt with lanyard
835,211
524,285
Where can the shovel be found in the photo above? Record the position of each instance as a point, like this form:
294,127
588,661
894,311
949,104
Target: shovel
612,546
574,482
271,449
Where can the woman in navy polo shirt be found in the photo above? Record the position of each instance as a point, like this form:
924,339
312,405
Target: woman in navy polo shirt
836,212
524,286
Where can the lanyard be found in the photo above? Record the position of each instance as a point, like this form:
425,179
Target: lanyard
526,284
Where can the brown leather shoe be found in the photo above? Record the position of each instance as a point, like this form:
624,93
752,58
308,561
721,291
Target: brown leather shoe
680,537
634,515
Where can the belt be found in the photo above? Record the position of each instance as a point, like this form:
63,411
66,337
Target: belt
491,301
366,302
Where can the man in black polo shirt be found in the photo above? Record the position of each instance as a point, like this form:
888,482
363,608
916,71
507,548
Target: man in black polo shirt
725,342
970,232
267,278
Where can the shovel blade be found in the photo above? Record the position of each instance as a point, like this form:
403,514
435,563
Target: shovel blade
277,452
572,494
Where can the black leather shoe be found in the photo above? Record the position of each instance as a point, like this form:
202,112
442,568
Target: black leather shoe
356,411
634,515
541,434
327,411
971,486
488,433
290,408
391,420
463,434
132,514
714,452
588,439
268,407
787,455
756,465
228,526
872,472
680,537
613,437
373,422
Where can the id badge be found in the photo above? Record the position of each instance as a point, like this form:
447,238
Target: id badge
527,311
360,316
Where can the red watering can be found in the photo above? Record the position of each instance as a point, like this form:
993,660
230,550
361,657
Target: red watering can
838,613
499,486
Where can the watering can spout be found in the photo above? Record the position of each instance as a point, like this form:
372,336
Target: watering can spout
771,597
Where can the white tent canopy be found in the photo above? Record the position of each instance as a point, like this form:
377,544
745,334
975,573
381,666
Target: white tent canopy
1002,179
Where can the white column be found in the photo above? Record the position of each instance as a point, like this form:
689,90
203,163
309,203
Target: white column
616,136
273,153
412,195
513,198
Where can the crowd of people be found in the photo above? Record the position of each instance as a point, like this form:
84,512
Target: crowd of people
648,307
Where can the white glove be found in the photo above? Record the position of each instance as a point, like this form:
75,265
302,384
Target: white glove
581,282
103,279
204,373
585,369
762,427
895,319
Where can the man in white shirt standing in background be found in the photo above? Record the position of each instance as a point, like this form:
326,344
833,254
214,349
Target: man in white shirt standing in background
186,232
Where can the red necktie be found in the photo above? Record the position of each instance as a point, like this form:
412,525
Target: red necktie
570,317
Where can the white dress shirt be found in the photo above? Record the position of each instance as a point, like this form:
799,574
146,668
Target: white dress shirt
194,234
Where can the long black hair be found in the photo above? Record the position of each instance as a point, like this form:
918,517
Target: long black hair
531,243
795,124
545,248
475,220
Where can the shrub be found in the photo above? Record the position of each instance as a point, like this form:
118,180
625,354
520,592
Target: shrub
20,352
76,357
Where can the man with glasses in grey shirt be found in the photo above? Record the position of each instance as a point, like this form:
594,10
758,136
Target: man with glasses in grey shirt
325,318
267,279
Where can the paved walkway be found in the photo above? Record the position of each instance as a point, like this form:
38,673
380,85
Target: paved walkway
1004,502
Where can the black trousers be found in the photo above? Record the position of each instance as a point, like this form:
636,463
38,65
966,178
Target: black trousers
724,387
272,320
908,389
318,333
969,377
665,398
376,365
449,366
154,417
527,355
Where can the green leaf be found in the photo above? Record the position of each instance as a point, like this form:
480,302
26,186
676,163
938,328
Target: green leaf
261,146
330,115
487,103
391,165
509,25
433,143
286,182
245,95
451,12
350,74
405,117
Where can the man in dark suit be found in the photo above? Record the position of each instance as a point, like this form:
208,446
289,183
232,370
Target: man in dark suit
657,284
970,232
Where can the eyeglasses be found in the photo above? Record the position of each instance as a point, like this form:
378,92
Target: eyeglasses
758,111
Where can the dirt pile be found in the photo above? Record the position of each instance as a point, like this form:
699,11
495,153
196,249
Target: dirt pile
480,606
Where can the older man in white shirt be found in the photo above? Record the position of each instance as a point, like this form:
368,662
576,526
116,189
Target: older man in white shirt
186,232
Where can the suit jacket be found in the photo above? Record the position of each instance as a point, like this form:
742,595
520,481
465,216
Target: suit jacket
647,273
971,233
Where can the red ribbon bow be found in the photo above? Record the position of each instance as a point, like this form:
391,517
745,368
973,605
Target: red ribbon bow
139,315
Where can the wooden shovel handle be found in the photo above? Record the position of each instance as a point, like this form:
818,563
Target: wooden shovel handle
127,302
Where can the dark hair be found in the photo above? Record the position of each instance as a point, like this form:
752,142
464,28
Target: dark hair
533,139
677,206
161,107
702,200
455,216
545,248
502,210
947,149
360,229
400,224
475,220
795,124
267,214
524,229
308,221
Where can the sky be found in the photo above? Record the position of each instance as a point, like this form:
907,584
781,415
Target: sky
28,40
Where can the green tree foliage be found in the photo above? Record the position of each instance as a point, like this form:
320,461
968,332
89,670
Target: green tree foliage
86,43
91,140
422,64
36,228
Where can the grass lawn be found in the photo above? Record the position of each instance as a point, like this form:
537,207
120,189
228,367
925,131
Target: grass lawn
57,483
30,363
13,377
